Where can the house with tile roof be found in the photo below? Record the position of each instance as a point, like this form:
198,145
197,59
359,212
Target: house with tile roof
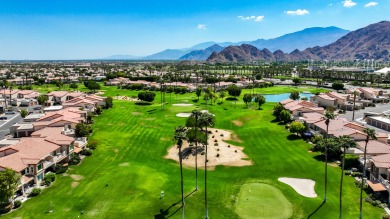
32,158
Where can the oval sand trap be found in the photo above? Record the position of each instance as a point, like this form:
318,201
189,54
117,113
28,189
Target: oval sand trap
184,115
182,104
262,201
304,187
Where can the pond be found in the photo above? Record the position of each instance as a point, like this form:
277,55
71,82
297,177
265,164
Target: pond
279,97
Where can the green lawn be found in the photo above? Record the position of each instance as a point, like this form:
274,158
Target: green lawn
132,142
262,200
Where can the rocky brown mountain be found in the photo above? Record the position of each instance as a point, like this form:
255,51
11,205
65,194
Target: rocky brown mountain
371,42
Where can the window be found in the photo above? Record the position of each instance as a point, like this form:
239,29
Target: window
40,177
31,169
40,166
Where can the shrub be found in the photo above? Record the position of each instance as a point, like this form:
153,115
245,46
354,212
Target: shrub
217,155
46,182
92,145
202,153
86,152
61,169
5,208
35,192
347,173
74,159
216,144
356,174
215,140
17,203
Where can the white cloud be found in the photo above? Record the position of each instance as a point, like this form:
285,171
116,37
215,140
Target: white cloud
298,12
349,3
202,26
370,4
252,18
331,4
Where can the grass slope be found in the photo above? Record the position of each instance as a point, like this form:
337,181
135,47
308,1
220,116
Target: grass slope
132,142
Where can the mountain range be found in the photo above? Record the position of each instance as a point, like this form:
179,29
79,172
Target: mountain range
309,37
371,42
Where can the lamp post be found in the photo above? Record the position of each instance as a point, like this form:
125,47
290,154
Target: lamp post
5,99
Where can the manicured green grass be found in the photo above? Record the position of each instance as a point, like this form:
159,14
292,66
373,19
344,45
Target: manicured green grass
132,141
262,201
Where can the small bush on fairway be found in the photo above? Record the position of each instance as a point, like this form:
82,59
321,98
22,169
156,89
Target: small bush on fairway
35,192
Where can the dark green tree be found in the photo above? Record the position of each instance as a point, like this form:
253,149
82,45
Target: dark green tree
146,96
294,95
260,100
82,130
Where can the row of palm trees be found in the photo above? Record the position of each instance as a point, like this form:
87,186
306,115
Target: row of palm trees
344,143
195,124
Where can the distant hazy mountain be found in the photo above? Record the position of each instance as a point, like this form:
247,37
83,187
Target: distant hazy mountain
122,57
309,37
371,42
202,54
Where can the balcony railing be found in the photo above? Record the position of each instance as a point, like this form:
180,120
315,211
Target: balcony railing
361,161
384,182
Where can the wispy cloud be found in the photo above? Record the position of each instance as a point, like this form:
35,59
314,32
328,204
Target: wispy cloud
370,4
252,18
298,12
202,26
349,3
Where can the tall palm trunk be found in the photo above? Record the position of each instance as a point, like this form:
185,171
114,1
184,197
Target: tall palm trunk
363,175
341,184
196,152
353,110
182,186
205,177
326,162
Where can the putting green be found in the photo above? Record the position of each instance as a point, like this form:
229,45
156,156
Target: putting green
262,201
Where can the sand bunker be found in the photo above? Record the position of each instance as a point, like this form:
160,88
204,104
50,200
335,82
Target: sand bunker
223,154
126,98
183,115
182,104
237,123
304,187
77,177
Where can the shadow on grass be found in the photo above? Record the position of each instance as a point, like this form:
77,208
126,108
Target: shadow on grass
195,101
293,137
320,157
164,214
143,103
231,99
315,211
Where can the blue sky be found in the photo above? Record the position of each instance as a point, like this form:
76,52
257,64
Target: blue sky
54,29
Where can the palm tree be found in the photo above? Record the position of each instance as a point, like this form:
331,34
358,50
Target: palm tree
180,136
370,134
354,100
345,142
328,117
206,120
196,114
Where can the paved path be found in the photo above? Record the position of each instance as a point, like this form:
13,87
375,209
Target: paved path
379,108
